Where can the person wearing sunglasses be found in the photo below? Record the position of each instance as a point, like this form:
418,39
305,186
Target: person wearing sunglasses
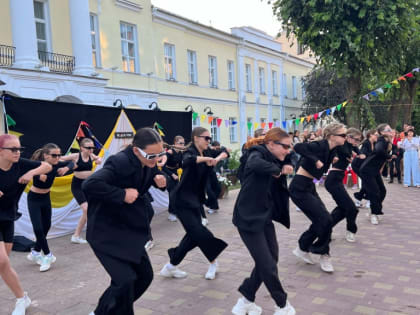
345,209
189,196
118,225
366,150
171,167
39,203
15,173
263,198
315,161
84,164
370,171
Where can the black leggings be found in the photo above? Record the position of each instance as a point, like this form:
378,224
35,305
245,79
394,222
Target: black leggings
264,250
39,206
128,283
213,191
196,235
304,195
171,184
345,205
397,164
76,189
376,191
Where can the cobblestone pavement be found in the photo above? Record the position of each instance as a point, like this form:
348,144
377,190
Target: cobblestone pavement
379,274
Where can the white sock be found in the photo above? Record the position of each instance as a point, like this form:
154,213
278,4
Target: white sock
35,253
170,266
49,255
244,299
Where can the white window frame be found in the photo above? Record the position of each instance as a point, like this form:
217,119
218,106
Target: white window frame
261,74
303,89
300,49
126,41
274,82
275,120
94,36
233,130
196,122
284,85
46,22
192,67
294,87
170,61
213,71
248,77
250,131
231,75
215,132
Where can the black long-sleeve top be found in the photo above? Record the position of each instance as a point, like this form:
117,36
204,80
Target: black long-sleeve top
313,151
262,197
173,163
37,182
190,192
381,153
344,154
366,149
115,227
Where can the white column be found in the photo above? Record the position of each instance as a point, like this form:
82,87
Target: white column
80,37
24,34
256,91
241,97
269,92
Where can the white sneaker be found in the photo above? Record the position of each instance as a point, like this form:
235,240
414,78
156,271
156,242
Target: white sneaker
305,256
170,271
298,209
21,305
210,211
243,307
288,309
211,273
355,187
92,313
34,258
350,237
78,240
204,221
172,217
358,203
325,263
374,219
46,262
406,186
367,204
149,245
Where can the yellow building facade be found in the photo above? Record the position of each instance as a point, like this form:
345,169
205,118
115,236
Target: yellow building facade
97,51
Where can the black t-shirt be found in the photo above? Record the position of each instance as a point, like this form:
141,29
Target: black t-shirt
11,189
51,175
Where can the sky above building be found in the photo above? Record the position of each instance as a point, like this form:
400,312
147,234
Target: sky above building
224,14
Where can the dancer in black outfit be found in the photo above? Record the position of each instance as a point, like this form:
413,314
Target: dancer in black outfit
367,148
370,171
171,167
315,160
39,203
263,198
15,173
118,220
395,163
346,209
189,197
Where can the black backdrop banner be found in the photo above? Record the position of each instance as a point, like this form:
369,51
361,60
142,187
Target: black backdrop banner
41,122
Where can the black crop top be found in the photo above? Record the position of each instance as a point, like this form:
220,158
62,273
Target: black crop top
311,152
82,165
344,154
51,175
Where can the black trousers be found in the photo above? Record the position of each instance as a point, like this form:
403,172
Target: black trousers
395,163
213,191
39,207
376,191
196,235
317,238
128,282
263,247
345,205
171,184
385,170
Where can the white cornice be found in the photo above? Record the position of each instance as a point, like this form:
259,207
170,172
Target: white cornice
130,5
166,17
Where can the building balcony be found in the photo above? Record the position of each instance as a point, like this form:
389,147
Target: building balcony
57,62
7,55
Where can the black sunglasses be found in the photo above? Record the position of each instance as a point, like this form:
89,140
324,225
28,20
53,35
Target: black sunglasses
90,148
206,137
285,146
357,139
15,150
55,156
342,135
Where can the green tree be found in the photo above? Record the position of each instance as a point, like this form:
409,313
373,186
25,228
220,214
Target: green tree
356,38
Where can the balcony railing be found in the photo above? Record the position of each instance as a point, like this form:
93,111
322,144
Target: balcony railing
7,55
57,62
